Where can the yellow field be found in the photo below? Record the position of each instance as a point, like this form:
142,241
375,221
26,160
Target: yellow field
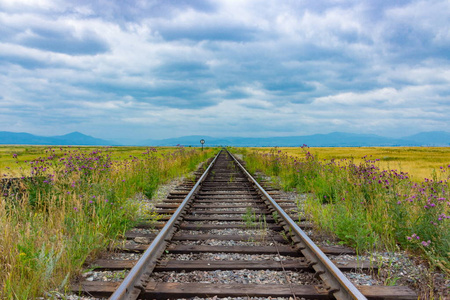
11,167
419,162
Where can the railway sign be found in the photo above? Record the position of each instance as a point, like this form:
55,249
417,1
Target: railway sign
202,141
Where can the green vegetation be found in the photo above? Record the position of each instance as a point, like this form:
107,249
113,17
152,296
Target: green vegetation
249,218
73,203
11,167
365,206
418,162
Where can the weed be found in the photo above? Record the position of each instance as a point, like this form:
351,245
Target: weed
275,216
285,236
249,218
263,228
231,179
118,275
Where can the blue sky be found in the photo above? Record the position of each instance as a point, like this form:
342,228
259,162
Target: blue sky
166,68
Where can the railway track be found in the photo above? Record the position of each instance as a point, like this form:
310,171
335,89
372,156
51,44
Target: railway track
227,237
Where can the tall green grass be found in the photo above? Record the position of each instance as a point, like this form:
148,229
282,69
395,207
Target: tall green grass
365,206
74,203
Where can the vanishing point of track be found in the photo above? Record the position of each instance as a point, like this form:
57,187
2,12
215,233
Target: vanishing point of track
227,205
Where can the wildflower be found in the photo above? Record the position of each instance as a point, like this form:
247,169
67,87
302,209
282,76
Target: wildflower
426,244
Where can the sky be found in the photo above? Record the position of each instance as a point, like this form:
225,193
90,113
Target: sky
251,68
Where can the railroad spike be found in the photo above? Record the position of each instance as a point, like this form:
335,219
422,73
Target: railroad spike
332,291
318,273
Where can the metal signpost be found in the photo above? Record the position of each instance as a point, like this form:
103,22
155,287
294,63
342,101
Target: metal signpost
202,141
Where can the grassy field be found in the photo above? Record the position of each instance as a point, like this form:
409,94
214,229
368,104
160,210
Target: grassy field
79,200
16,166
358,195
419,162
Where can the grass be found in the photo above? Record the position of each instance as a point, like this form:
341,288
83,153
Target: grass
11,167
249,218
77,203
418,162
256,222
365,205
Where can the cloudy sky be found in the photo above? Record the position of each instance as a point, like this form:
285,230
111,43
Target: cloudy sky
167,68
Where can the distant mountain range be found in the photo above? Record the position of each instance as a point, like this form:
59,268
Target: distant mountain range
74,138
335,139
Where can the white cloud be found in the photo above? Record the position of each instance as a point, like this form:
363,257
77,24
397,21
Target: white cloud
233,67
34,5
375,97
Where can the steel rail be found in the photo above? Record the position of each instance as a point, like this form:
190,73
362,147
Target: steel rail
338,283
131,285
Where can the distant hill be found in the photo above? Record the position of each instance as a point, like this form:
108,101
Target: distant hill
335,139
74,138
433,138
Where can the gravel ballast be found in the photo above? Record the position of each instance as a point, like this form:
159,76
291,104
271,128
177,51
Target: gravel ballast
237,276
